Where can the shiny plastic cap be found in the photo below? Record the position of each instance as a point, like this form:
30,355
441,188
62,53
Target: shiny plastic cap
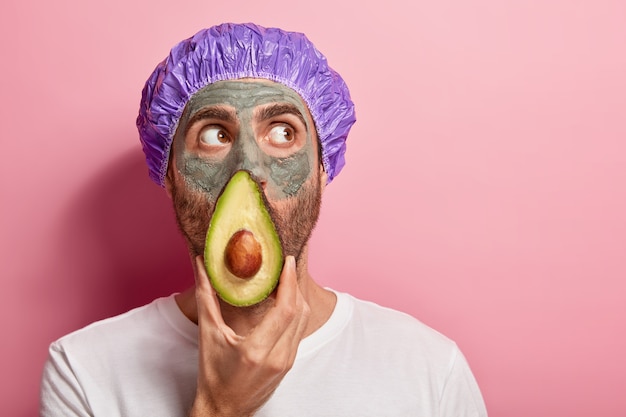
232,51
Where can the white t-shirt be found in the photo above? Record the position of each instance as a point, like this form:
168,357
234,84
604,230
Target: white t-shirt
366,360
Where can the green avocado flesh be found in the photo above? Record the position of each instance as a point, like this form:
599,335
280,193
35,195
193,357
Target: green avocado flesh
243,256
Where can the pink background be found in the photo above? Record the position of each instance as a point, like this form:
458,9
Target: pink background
484,191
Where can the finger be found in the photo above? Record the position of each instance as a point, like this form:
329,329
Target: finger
277,318
275,340
285,322
290,339
206,297
287,290
283,353
293,296
305,313
200,275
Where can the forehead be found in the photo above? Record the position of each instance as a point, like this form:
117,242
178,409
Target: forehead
244,94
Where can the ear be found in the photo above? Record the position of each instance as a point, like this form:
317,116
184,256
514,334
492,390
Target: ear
168,186
168,181
323,177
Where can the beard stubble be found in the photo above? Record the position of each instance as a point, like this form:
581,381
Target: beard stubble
294,218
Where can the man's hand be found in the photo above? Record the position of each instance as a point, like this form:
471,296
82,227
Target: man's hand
238,373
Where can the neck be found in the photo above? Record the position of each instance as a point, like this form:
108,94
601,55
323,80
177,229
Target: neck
243,319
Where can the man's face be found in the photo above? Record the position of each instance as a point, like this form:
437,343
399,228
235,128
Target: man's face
254,125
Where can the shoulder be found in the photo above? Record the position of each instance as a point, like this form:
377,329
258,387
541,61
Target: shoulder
130,351
399,331
119,332
384,318
399,347
111,324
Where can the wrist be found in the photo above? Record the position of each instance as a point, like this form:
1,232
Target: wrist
203,408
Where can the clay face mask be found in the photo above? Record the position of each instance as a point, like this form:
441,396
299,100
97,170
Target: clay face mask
256,125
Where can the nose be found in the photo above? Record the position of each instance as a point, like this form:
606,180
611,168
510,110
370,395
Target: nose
253,160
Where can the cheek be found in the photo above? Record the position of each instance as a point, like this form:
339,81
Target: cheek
288,175
203,176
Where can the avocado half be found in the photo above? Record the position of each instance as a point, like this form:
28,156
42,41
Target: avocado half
242,255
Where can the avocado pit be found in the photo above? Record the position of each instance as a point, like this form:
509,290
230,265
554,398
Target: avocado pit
242,255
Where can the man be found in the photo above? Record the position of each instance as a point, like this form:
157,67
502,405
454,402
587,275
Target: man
245,98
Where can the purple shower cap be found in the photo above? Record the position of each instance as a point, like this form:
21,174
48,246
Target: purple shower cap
231,51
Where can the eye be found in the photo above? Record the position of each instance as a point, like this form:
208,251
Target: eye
214,136
281,134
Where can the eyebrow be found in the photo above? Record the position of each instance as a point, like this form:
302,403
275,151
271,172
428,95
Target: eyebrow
274,110
219,113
